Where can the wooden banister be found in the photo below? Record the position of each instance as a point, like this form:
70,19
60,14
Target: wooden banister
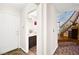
71,24
67,20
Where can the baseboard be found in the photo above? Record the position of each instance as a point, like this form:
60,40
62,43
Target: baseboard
24,50
54,50
8,51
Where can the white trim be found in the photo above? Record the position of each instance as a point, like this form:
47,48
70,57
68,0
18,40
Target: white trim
45,28
8,51
54,50
24,50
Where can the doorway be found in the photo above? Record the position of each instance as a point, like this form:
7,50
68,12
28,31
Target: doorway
32,35
33,44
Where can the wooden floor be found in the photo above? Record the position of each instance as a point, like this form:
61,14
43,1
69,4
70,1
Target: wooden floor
67,46
19,51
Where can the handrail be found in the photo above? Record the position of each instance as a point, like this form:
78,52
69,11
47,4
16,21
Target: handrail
67,20
72,24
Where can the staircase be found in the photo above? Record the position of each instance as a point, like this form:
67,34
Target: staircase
69,23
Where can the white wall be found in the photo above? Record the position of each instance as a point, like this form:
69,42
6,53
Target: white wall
24,31
52,38
47,30
40,40
11,19
9,28
25,27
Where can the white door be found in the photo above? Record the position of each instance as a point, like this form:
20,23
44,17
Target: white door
9,25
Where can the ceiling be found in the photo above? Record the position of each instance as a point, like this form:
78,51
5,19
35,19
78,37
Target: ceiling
60,7
65,6
17,5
